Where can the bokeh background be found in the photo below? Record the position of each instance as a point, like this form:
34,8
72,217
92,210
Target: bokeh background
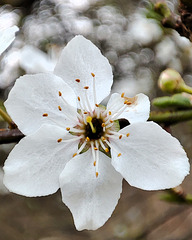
138,49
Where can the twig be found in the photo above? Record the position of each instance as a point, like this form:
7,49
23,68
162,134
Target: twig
10,135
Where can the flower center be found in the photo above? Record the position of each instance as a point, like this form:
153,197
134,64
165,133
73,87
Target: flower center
94,129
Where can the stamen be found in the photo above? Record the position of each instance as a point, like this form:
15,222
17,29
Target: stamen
127,135
45,115
97,158
68,129
60,94
95,148
94,90
120,136
97,105
119,155
70,140
75,154
59,140
93,153
86,87
97,174
59,107
87,100
122,95
78,98
94,164
89,120
113,148
109,112
87,139
77,80
103,146
103,125
93,75
80,149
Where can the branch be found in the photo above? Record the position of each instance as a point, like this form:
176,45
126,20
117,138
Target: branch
10,135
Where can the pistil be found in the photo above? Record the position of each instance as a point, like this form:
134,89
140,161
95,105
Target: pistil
89,120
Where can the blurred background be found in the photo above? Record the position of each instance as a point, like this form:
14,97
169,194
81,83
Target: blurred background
138,49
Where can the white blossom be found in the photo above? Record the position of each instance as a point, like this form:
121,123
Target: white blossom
75,144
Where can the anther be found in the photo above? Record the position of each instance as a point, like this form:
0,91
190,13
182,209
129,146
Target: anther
103,125
96,174
109,112
129,103
59,140
106,149
85,112
87,139
103,138
127,134
75,154
94,164
119,155
120,136
86,87
111,121
78,98
77,80
95,148
60,94
59,107
122,95
45,115
97,105
93,75
67,128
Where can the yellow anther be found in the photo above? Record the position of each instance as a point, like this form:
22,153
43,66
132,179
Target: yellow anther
59,140
94,164
77,80
122,95
67,128
126,101
97,105
59,107
103,138
106,149
75,154
103,125
60,94
93,75
95,148
85,112
109,112
111,121
89,120
119,155
87,139
86,87
120,136
127,134
45,115
78,99
96,174
129,103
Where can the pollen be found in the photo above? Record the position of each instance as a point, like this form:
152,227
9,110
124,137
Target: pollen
120,136
109,112
60,94
103,138
78,98
122,95
127,134
111,121
59,140
45,115
75,154
94,164
106,149
97,174
77,80
93,75
67,128
59,107
103,124
85,112
97,105
86,87
119,155
95,148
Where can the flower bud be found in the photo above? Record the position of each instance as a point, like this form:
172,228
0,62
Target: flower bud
171,81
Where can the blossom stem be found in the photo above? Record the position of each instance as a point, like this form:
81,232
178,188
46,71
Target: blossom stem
7,119
10,135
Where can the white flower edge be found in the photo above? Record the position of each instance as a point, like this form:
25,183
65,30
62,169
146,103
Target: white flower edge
7,36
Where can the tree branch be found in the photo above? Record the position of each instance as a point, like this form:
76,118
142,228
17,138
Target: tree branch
10,135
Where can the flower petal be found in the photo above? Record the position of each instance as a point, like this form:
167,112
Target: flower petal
35,95
7,36
90,199
78,60
136,110
34,165
151,159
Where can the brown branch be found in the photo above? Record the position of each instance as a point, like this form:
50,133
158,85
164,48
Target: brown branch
10,135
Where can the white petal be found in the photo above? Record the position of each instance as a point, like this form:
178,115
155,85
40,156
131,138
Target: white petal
78,60
33,60
90,199
34,165
151,158
7,36
34,95
137,111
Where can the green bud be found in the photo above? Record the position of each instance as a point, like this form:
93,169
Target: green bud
171,81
